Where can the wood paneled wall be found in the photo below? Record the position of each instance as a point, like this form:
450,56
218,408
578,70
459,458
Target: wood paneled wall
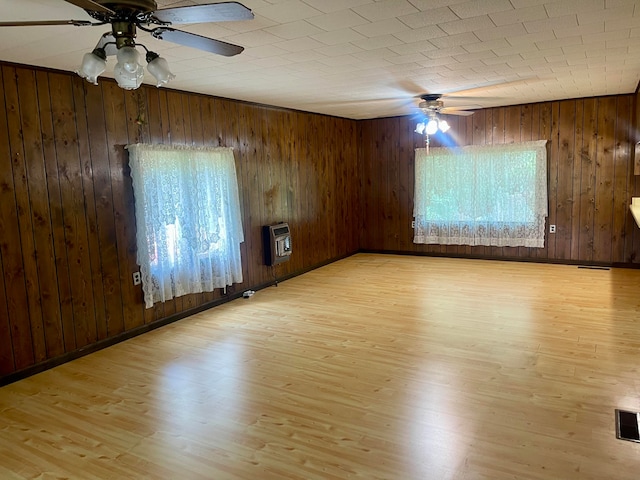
591,179
67,241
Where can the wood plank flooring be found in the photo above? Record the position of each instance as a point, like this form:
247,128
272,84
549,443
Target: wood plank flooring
374,367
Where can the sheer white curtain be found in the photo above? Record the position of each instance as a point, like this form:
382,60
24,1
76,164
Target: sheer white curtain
482,195
189,226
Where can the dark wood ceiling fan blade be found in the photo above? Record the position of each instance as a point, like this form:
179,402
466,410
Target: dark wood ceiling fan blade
196,41
214,12
36,23
90,5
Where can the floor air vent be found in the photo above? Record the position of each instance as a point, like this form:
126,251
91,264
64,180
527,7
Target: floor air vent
627,426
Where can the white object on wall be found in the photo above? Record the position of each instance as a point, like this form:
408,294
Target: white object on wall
635,209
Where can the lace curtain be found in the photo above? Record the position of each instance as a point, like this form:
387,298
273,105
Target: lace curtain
482,195
189,226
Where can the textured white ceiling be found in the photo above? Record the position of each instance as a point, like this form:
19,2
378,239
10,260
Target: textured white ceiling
368,58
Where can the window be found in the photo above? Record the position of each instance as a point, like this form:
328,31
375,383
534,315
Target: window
189,226
482,195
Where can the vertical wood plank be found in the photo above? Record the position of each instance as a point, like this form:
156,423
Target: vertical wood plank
55,210
367,189
84,150
7,364
104,214
392,217
73,208
296,195
46,280
635,138
621,164
588,179
564,186
25,229
577,179
243,147
15,336
604,180
262,187
376,214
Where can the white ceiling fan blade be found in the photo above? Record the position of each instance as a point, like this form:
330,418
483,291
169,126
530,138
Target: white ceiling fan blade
196,41
213,12
462,113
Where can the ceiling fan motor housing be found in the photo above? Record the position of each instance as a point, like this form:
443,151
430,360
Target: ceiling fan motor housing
136,11
431,106
127,14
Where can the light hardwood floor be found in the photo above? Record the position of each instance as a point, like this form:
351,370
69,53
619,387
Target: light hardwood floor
374,367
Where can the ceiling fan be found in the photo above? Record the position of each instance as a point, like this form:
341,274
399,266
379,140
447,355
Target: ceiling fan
126,16
432,104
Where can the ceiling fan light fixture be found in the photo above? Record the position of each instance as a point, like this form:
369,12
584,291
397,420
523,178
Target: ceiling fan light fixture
93,64
443,126
159,68
420,128
128,72
129,59
128,80
432,127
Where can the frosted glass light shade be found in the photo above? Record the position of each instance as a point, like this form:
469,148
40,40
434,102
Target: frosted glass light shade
159,68
420,128
126,79
444,126
432,127
129,58
128,72
93,64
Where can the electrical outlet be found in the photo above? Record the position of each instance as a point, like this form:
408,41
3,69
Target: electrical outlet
552,229
136,278
413,224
